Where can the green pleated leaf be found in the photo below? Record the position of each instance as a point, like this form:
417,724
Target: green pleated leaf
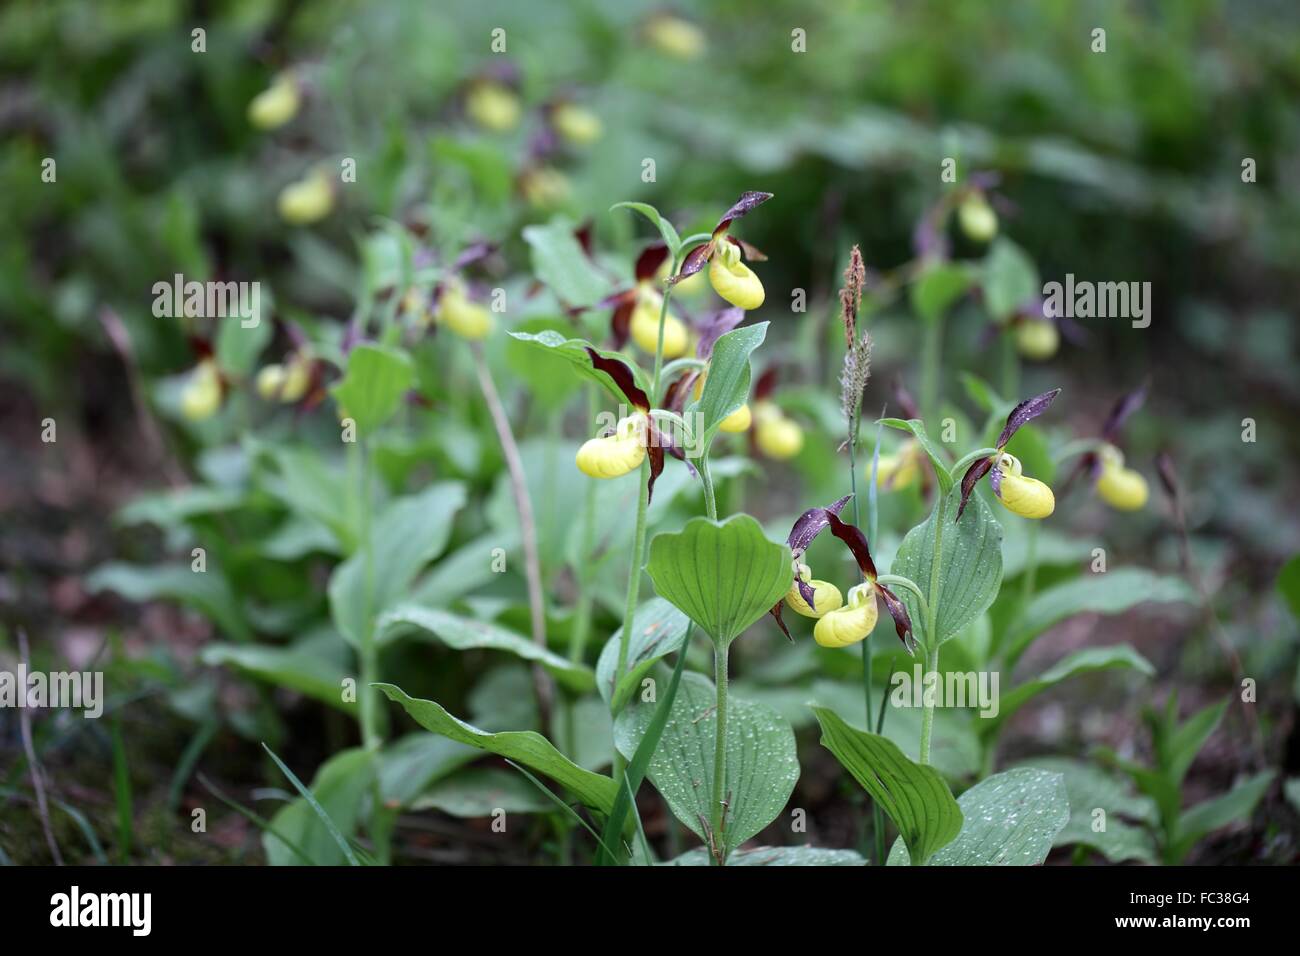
724,576
936,289
727,386
671,239
1106,593
559,262
481,792
207,591
1204,818
1119,832
574,351
465,633
658,630
373,385
1010,278
970,565
300,667
1119,656
774,856
762,766
913,796
525,746
1009,819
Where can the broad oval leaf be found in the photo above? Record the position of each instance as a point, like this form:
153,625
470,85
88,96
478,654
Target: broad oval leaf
969,566
936,289
527,747
465,633
1010,278
1010,819
762,765
338,788
559,262
912,795
724,576
1128,814
373,385
658,629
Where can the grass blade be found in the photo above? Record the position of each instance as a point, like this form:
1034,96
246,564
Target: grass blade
315,805
260,822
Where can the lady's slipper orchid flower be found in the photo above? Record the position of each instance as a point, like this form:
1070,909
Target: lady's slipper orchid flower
491,101
773,434
731,278
308,200
1037,339
1020,494
291,381
634,438
1123,488
636,310
576,125
839,624
201,396
675,37
456,311
277,104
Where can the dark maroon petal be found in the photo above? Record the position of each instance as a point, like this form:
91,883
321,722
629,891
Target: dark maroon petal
1028,409
621,373
984,179
995,479
747,202
852,536
1073,332
656,453
1168,474
716,326
473,253
693,263
1126,406
616,298
810,524
775,611
928,240
651,258
583,234
898,611
973,474
620,323
676,396
766,383
807,592
1089,464
749,252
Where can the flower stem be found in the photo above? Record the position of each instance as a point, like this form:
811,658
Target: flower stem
542,685
931,363
931,621
717,823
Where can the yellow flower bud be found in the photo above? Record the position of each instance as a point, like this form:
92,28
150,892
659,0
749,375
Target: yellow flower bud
308,200
577,124
1037,339
1027,497
676,37
739,421
1122,488
851,624
977,218
492,106
544,188
275,105
644,327
201,396
735,281
614,455
297,379
897,471
270,380
777,436
826,597
470,320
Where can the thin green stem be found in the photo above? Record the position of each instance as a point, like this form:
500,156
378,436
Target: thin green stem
957,470
582,622
633,590
717,825
931,635
1010,365
931,366
710,495
371,734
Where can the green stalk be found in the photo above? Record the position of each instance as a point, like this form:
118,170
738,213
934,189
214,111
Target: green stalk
931,363
931,613
638,538
582,625
718,821
371,735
